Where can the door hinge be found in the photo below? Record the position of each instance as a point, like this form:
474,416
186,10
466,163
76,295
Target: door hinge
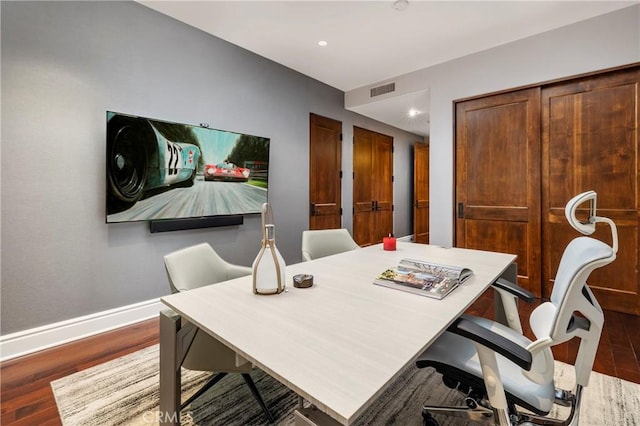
460,211
340,137
340,211
393,178
340,174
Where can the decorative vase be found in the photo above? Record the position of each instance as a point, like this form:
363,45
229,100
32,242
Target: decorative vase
269,269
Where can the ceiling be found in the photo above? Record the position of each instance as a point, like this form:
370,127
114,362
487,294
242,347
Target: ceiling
370,41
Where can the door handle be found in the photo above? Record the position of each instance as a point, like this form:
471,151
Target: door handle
312,209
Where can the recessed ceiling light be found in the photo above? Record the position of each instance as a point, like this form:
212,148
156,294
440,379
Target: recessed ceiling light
400,5
413,112
322,43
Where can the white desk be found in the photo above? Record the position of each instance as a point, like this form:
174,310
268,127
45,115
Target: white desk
337,344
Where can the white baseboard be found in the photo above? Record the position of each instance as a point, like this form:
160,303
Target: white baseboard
406,238
36,339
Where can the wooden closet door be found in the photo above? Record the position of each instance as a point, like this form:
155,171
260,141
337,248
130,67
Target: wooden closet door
372,186
363,206
383,187
590,135
325,174
421,193
498,178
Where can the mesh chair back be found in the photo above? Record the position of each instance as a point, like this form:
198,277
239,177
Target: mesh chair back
573,311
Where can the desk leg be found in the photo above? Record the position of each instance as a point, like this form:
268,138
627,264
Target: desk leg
169,375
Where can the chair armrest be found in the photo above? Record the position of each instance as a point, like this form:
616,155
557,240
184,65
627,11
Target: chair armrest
514,289
509,349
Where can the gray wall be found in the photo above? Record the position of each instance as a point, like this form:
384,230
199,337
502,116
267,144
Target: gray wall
64,64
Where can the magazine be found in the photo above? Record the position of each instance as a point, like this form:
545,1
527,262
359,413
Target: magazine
424,278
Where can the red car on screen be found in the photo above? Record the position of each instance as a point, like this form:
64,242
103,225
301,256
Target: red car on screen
226,171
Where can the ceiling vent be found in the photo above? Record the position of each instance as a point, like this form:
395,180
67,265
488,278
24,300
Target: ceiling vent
381,90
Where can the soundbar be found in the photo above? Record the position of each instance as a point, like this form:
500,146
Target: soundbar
194,223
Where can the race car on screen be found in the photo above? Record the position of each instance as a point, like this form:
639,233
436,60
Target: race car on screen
140,158
227,172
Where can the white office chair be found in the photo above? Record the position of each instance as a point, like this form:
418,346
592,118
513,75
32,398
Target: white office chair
194,267
498,369
325,242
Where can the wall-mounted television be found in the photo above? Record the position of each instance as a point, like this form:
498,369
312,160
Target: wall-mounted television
160,170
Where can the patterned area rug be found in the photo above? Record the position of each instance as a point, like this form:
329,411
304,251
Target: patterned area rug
125,392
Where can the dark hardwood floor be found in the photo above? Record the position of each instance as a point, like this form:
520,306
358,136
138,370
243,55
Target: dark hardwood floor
25,392
26,396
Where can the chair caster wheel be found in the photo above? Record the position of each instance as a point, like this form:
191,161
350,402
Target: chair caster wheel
428,420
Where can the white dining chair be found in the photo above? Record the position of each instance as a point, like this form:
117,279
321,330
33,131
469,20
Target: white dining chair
194,267
325,242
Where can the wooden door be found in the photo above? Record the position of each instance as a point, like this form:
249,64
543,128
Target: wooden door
325,174
363,203
421,193
372,186
590,140
498,178
383,187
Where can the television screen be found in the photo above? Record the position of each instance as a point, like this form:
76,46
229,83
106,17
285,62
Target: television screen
162,170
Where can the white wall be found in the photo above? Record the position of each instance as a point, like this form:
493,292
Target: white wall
64,64
599,43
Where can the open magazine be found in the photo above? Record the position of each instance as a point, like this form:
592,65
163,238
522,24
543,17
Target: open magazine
424,278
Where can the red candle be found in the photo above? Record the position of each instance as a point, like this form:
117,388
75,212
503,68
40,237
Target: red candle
389,243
